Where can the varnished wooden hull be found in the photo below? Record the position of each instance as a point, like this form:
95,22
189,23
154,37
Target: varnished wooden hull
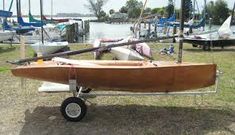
125,75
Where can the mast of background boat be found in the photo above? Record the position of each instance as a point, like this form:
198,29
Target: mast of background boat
3,4
17,8
29,7
194,5
51,9
41,13
181,31
20,8
232,14
205,11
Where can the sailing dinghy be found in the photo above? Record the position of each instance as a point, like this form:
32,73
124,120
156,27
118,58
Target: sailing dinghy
135,76
133,52
48,47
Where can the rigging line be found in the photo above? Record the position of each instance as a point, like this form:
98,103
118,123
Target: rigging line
140,17
10,5
211,46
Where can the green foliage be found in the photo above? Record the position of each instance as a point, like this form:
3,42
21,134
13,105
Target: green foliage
147,11
4,69
134,12
155,10
123,9
188,8
170,8
133,8
130,4
218,11
103,16
160,11
111,11
95,6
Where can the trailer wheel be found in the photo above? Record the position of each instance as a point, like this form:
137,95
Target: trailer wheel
206,47
73,109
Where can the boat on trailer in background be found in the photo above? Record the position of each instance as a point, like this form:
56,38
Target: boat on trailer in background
6,34
221,38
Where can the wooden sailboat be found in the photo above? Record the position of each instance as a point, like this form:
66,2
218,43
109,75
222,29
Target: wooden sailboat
136,76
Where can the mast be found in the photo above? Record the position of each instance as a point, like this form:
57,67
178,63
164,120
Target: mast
17,8
29,7
205,10
20,8
181,31
41,13
51,9
232,14
194,5
3,4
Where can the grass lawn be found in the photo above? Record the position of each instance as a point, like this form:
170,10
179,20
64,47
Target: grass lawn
25,111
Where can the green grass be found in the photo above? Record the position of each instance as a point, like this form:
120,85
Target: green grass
26,111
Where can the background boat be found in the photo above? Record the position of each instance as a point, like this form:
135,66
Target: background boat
220,38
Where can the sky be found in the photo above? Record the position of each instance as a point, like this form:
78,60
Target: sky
77,6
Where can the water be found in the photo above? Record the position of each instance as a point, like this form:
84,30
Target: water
99,30
104,30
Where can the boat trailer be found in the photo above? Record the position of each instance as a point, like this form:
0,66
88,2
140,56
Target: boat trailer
74,108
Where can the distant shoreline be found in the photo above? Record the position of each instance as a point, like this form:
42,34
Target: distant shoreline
63,15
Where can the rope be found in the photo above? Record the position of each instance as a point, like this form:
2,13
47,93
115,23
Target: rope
212,50
140,17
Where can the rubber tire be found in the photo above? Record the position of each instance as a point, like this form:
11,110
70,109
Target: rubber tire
78,101
206,47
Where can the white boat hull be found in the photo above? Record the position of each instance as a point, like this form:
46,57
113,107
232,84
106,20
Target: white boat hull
48,47
122,53
6,35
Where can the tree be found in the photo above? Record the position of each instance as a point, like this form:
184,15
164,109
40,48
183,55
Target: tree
155,10
188,8
218,11
134,13
95,6
111,11
170,8
147,10
209,9
133,8
133,4
124,9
